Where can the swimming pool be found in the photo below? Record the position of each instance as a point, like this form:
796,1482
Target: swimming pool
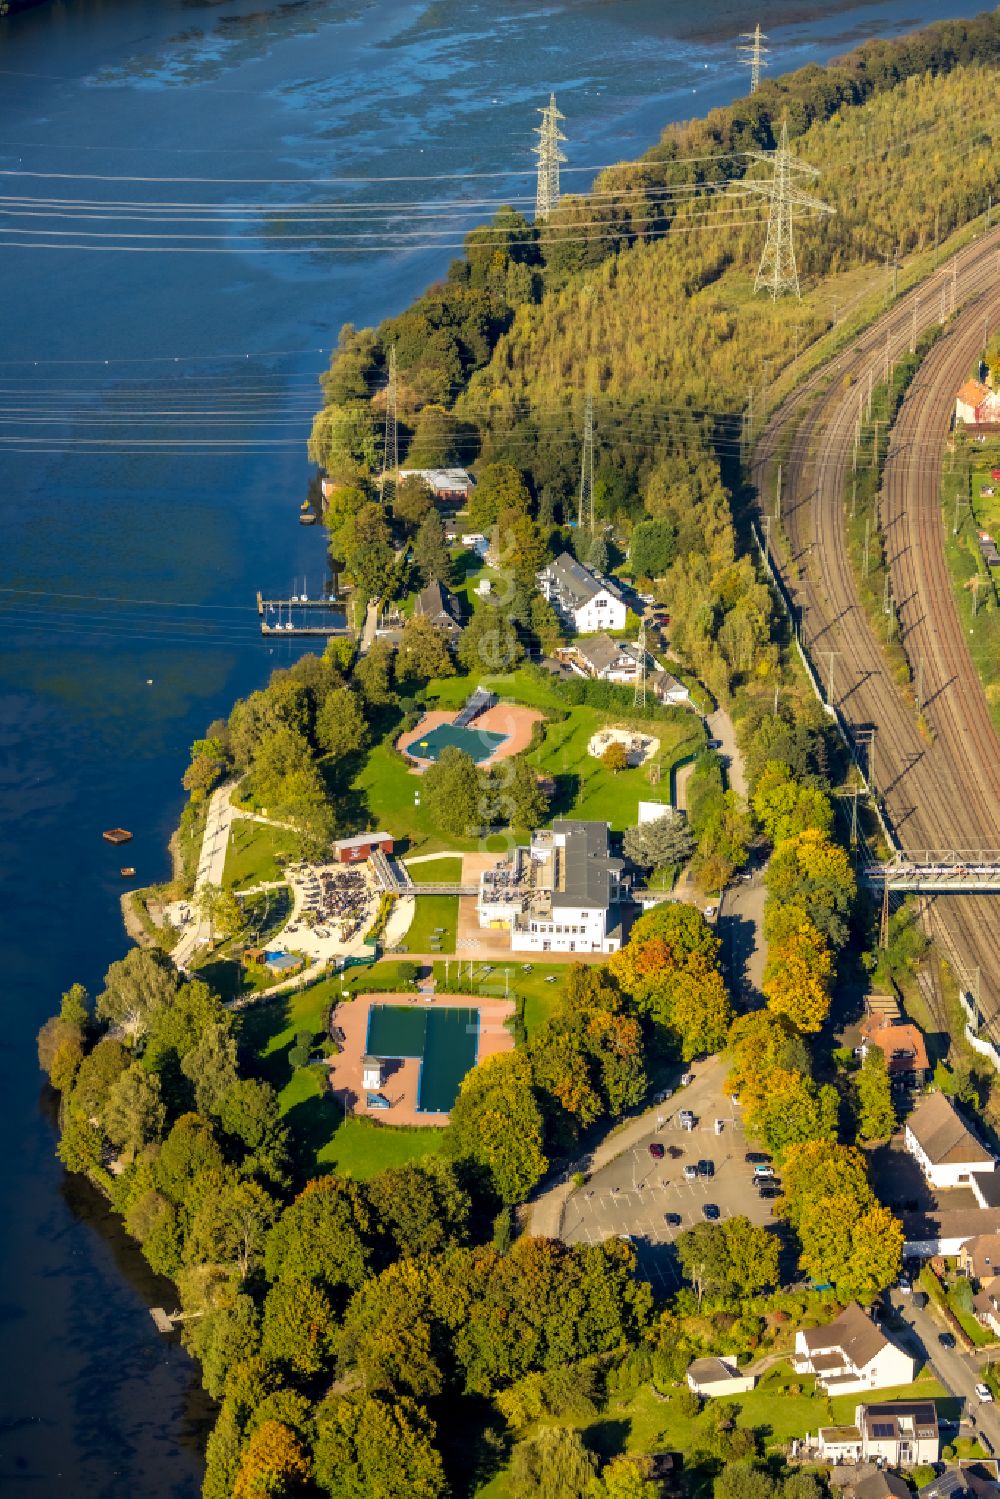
445,1039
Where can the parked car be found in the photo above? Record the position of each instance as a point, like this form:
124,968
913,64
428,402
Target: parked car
711,912
714,744
690,1173
706,1168
685,1119
672,1219
985,1394
720,1125
756,1158
763,1173
903,1286
687,1078
946,1339
711,1213
656,1150
767,1190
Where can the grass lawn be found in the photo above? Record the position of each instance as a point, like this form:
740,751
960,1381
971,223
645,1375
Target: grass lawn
508,978
228,977
325,1140
433,911
436,871
251,856
649,1423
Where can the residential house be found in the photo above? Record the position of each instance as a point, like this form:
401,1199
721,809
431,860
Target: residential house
944,1146
979,1259
882,1485
986,1307
976,405
604,659
562,893
902,1044
450,485
945,1230
582,598
899,1433
850,1354
718,1377
440,606
972,1480
666,689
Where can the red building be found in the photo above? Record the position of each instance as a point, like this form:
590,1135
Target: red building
356,850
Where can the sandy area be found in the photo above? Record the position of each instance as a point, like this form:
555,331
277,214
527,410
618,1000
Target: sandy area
640,747
505,718
400,1087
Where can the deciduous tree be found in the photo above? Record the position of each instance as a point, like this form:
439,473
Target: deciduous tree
452,793
382,1449
876,1111
133,1112
423,651
340,724
274,1466
495,1121
135,988
797,976
664,842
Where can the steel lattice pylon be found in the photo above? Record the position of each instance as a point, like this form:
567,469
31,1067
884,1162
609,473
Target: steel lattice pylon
390,453
778,271
549,159
585,509
639,697
753,54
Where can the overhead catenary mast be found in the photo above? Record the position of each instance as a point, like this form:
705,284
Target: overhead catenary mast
390,454
753,54
585,509
778,272
549,159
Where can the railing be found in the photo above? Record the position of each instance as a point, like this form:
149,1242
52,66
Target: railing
938,871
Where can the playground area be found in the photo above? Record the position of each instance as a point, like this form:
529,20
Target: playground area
638,747
425,1043
495,733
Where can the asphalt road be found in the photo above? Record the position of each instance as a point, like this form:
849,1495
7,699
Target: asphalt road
957,1371
936,790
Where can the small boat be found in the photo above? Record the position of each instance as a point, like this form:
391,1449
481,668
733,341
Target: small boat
307,518
117,835
127,872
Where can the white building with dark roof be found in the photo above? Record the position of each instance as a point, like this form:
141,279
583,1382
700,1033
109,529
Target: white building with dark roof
944,1146
852,1354
453,484
581,597
899,1433
440,606
562,893
718,1377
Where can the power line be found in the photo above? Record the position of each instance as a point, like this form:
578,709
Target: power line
778,271
753,54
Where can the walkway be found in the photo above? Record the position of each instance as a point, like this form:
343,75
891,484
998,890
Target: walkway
210,868
720,726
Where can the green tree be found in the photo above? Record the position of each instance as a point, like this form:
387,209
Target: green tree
324,1236
734,1258
412,501
626,1478
210,1066
373,674
783,807
133,1112
340,724
495,1122
489,643
430,550
367,1445
75,1007
226,1335
60,1051
365,546
552,1464
816,872
665,842
433,441
652,548
876,1111
423,651
514,794
452,793
499,488
231,1226
135,988
299,1327
422,1208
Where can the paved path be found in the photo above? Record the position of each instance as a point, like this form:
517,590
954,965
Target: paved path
211,864
720,726
370,626
919,1328
546,1211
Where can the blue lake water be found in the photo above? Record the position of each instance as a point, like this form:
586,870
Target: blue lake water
153,415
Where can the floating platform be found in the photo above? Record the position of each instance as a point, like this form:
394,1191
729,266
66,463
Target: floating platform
117,835
127,872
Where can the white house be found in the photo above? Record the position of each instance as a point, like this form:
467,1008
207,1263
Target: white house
945,1148
718,1377
371,1074
902,1433
852,1354
582,598
562,893
452,484
604,659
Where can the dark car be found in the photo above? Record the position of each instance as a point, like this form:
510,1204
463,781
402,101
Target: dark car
706,1168
673,1219
946,1339
756,1158
767,1190
656,1150
710,1211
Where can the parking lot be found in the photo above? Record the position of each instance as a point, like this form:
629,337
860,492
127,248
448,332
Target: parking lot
633,1193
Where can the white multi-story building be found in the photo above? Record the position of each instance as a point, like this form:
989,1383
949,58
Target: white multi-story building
582,598
946,1150
852,1354
901,1433
562,893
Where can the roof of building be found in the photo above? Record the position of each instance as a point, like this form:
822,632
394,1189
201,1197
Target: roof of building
840,1434
577,585
973,393
600,651
950,1223
987,1189
944,1138
712,1371
663,682
440,478
896,1415
986,1302
438,604
882,1486
976,1478
853,1333
901,1041
587,869
984,1255
361,840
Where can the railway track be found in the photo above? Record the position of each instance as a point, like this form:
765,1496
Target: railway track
943,791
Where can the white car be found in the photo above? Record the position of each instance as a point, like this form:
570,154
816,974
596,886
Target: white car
687,1078
985,1394
685,1119
690,1173
711,912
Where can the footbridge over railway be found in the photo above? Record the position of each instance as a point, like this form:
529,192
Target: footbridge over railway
932,871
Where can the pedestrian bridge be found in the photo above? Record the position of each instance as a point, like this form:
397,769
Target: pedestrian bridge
931,871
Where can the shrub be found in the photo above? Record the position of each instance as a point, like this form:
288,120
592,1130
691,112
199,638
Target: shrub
687,1402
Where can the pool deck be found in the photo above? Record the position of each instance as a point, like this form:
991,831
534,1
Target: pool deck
400,1087
510,719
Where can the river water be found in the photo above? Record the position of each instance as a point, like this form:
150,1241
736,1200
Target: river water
155,396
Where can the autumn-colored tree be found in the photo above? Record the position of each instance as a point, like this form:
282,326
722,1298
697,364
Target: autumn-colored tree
663,938
813,870
274,1466
495,1121
848,1238
367,1445
760,1044
797,977
299,1327
615,757
789,1108
784,807
696,1006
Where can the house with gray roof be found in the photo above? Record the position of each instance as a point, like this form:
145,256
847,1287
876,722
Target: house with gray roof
582,598
716,1377
851,1354
440,606
565,892
899,1433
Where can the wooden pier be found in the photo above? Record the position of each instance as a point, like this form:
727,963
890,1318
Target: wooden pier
288,628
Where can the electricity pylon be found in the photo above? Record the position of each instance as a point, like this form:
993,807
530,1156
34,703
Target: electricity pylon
753,55
585,509
778,271
639,696
549,158
390,454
